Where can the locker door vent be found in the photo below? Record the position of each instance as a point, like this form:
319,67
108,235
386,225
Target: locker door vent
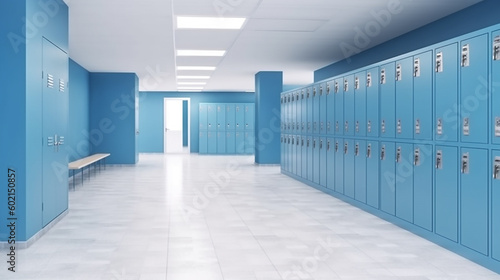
50,81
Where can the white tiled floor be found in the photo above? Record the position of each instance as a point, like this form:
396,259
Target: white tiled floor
196,217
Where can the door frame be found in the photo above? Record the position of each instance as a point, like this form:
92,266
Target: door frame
188,120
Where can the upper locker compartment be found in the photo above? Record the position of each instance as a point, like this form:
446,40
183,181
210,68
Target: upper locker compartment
338,91
495,89
309,111
349,103
315,107
422,95
387,100
404,98
330,112
372,102
360,104
323,108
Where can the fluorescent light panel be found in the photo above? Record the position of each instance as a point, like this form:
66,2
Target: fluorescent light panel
191,83
200,53
209,23
196,68
193,77
189,88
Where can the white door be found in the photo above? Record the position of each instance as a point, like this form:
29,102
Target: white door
173,126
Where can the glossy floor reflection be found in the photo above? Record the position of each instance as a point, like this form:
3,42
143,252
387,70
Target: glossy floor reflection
190,217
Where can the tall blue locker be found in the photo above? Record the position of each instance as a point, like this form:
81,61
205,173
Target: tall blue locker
339,106
372,174
250,116
310,108
372,103
495,207
288,152
360,171
349,101
316,113
446,191
422,186
360,110
282,151
349,167
203,142
330,112
474,90
239,112
230,116
323,109
404,98
422,97
388,177
298,155
282,113
303,107
474,199
404,181
221,142
388,100
293,156
310,156
298,112
240,125
211,117
330,164
221,117
339,165
239,141
203,116
446,93
322,162
212,141
316,160
495,90
231,143
303,145
249,142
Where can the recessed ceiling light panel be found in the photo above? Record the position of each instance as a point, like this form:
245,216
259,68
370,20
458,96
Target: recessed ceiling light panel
200,53
193,77
196,68
184,22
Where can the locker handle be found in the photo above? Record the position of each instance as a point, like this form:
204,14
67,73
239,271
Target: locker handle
369,151
382,153
346,148
465,163
321,144
496,169
398,155
439,160
328,146
416,158
336,146
356,150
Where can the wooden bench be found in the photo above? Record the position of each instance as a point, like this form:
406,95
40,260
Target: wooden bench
87,161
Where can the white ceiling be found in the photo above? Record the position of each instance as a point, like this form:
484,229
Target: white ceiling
293,36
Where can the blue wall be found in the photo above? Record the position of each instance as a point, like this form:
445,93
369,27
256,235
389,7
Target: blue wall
151,112
78,144
113,98
479,16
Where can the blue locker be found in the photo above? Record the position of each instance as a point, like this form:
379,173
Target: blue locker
212,142
316,160
322,162
239,141
446,93
293,156
239,111
339,165
249,142
303,145
474,90
221,117
474,199
221,142
339,106
495,90
330,164
360,171
446,191
310,108
212,117
285,114
310,165
349,168
330,112
360,102
303,107
282,151
231,143
349,106
388,100
422,186
203,116
203,142
404,181
250,116
323,109
287,153
388,177
298,155
404,98
495,207
298,112
372,103
315,112
230,116
372,174
422,97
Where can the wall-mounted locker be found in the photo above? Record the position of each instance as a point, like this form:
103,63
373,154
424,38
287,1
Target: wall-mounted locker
330,163
230,143
239,111
372,102
298,155
303,145
221,142
423,156
310,108
495,88
298,110
404,98
203,142
404,181
349,168
212,141
292,110
282,152
446,191
446,93
388,177
250,116
330,104
474,167
360,168
310,159
322,162
388,100
338,90
249,142
203,121
339,165
422,96
474,87
360,104
495,207
211,117
221,117
231,117
287,152
239,140
316,108
316,160
323,109
293,156
288,115
372,174
303,112
349,106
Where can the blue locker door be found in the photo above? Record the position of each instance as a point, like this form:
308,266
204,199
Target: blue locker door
315,112
349,101
316,160
330,164
388,100
446,93
230,116
249,142
372,103
339,165
447,167
212,117
287,152
282,159
404,181
303,108
285,114
293,156
474,199
250,116
212,142
360,110
404,98
292,112
422,186
322,162
323,109
303,145
474,90
231,143
239,141
495,91
298,155
372,174
360,171
310,165
239,111
388,177
221,117
203,116
495,208
422,97
349,168
310,108
298,112
221,142
203,142
339,106
330,111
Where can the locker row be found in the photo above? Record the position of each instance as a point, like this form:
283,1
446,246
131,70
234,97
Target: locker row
229,142
226,116
448,93
450,191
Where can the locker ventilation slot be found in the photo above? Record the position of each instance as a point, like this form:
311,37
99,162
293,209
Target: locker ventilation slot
496,48
439,62
496,169
465,56
383,126
50,141
417,127
400,127
398,73
62,85
465,163
50,81
440,127
416,68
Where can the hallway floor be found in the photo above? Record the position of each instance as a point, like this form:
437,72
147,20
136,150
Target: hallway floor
191,217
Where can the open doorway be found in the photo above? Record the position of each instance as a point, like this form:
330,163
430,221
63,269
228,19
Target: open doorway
176,126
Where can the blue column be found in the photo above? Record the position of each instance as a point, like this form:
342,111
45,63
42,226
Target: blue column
268,87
